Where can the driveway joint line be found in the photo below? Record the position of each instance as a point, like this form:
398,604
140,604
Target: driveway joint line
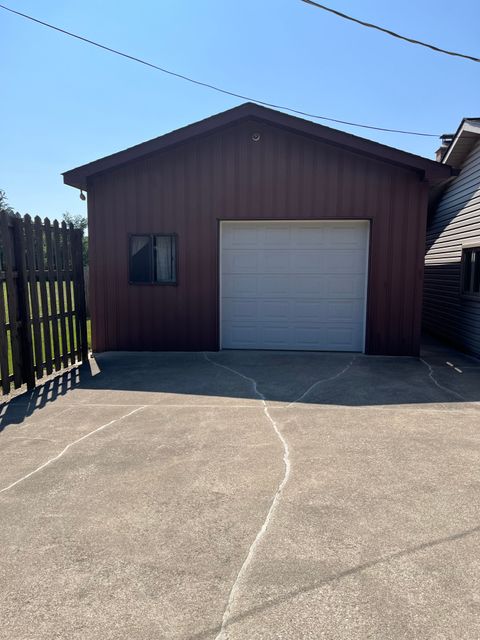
30,438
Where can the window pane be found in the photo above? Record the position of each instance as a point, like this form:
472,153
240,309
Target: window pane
467,270
476,271
140,259
165,259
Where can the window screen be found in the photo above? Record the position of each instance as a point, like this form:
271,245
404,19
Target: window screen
153,259
471,272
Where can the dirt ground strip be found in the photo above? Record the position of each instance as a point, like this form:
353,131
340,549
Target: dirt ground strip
244,495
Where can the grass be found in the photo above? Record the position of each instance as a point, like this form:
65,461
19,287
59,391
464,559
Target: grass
89,333
55,325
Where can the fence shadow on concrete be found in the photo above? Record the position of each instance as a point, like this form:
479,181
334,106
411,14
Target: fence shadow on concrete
20,407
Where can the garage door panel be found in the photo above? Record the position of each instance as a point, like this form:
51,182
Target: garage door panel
277,236
242,336
310,338
309,285
284,335
240,309
344,261
307,261
343,310
326,310
345,286
274,336
274,310
327,261
328,337
293,285
342,338
275,261
344,236
308,310
309,236
239,261
240,285
330,286
266,286
269,286
237,235
293,310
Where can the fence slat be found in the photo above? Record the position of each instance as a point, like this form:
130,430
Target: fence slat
24,333
66,253
4,369
42,299
53,294
80,300
76,298
42,284
32,280
7,241
61,296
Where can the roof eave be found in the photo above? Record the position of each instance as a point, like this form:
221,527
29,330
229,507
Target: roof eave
469,128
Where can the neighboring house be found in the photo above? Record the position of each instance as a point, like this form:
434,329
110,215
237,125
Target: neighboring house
254,229
452,264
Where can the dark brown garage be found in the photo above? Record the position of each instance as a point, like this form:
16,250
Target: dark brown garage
256,229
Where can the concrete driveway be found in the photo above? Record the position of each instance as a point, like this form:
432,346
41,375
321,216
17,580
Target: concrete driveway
244,495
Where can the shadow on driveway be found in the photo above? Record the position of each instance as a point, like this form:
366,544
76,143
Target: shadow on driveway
441,375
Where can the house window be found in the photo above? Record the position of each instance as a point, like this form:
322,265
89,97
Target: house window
471,272
153,259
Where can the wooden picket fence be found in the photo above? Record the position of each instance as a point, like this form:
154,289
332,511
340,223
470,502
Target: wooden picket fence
43,325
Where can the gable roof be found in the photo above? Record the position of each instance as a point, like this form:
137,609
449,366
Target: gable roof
463,141
466,136
431,170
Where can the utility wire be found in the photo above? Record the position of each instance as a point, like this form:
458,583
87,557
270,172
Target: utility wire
391,33
211,86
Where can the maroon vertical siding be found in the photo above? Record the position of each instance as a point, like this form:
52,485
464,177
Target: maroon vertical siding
226,176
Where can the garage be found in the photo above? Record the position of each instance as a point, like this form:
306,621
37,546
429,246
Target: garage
294,285
254,229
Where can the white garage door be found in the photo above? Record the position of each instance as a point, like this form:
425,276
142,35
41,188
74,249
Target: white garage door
293,285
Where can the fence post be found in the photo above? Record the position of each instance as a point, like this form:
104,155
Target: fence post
80,302
25,334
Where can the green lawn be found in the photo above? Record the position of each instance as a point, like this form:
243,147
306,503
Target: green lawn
89,333
54,325
89,339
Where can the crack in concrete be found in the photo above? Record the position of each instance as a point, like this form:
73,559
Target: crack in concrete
437,383
58,456
223,633
322,381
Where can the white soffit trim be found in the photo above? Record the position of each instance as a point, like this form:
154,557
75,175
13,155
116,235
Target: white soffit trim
466,137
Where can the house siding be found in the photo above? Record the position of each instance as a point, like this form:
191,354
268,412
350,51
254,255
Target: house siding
455,222
188,189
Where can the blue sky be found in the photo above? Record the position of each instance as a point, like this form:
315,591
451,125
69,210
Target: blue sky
65,103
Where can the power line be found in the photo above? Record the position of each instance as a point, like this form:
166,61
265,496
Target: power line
211,86
391,33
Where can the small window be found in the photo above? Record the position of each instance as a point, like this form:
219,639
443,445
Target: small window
153,259
471,272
